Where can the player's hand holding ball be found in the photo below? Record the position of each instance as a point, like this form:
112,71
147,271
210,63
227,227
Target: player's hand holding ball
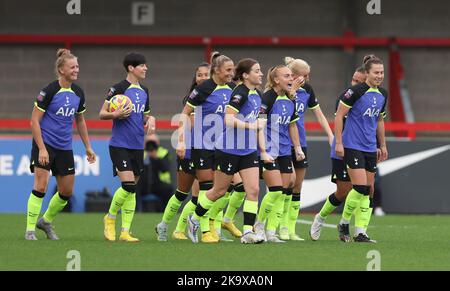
121,106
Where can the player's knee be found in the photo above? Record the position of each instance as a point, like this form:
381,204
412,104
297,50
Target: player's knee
362,189
40,186
253,192
291,184
294,182
129,186
66,190
219,192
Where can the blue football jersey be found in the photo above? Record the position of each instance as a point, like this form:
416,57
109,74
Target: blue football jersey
208,100
247,104
280,111
129,132
366,106
304,98
60,106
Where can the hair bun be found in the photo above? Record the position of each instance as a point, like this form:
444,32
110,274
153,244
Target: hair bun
62,51
215,55
288,60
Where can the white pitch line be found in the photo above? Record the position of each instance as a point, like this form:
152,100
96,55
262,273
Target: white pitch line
302,221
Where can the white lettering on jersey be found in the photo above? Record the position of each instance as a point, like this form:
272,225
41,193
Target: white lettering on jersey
65,111
138,108
219,109
253,114
300,107
283,119
372,112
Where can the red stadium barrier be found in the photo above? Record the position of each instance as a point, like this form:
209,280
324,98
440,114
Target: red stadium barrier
347,41
410,128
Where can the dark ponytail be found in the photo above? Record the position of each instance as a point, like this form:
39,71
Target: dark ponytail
194,83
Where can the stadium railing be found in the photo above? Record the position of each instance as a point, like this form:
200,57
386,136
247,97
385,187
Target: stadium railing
411,129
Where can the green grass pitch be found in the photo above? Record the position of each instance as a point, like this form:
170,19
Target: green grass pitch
408,242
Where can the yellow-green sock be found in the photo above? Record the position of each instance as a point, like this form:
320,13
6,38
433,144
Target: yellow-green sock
173,205
34,209
369,214
352,201
219,205
203,206
362,215
357,213
128,209
218,221
236,200
294,210
55,206
189,208
250,210
204,223
275,215
329,206
117,202
268,202
286,206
